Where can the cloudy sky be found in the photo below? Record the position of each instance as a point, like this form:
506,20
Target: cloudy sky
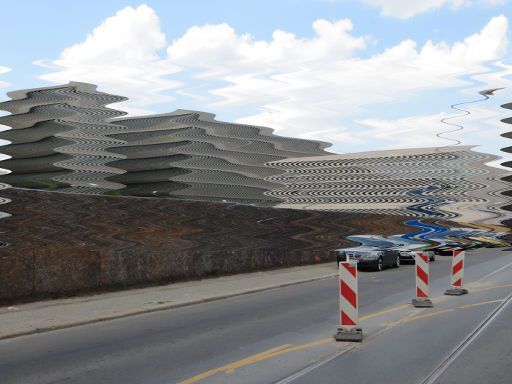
364,75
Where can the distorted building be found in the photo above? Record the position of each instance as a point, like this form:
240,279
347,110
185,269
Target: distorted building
448,183
188,154
65,138
59,138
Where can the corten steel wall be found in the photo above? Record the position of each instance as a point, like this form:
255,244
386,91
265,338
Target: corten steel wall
64,244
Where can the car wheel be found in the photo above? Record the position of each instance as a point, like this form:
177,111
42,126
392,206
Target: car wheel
433,257
397,263
380,264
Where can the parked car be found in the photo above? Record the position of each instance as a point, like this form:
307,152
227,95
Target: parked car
370,257
446,248
407,248
407,254
490,242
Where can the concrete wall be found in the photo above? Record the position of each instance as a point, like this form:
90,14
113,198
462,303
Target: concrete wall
63,244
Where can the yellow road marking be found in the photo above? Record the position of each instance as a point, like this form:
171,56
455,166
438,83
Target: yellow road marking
478,304
483,289
284,349
431,314
384,312
232,366
288,348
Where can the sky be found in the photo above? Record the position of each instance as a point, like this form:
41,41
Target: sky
361,74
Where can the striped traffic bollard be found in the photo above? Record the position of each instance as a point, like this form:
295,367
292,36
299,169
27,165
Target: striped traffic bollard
456,276
348,330
422,299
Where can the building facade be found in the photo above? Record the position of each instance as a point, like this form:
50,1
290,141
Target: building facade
66,138
448,183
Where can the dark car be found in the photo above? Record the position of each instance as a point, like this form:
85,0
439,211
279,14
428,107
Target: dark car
370,257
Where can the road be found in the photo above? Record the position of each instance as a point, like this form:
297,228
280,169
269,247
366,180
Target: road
285,336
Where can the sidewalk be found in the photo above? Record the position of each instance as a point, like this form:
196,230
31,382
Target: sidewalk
49,315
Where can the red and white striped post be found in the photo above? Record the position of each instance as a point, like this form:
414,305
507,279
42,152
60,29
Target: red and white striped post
422,299
348,329
457,274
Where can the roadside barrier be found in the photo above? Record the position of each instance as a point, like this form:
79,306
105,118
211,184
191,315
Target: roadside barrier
348,330
422,299
457,274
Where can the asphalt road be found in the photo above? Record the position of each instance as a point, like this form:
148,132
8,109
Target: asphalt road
492,353
281,335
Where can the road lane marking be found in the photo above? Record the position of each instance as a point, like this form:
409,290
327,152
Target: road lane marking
384,312
483,289
232,366
445,364
482,303
288,348
408,318
284,349
272,353
431,314
447,310
315,365
304,371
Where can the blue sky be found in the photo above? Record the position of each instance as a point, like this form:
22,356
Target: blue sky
45,28
365,75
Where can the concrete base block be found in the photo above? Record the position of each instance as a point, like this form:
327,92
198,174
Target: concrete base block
345,334
422,303
456,292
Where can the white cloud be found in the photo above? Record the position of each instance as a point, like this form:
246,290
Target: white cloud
498,76
308,87
304,87
219,44
407,132
486,116
405,9
121,56
480,128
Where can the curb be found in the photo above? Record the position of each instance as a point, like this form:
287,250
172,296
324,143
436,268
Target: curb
162,308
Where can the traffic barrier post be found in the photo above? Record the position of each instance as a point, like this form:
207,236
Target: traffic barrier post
348,329
422,299
457,274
